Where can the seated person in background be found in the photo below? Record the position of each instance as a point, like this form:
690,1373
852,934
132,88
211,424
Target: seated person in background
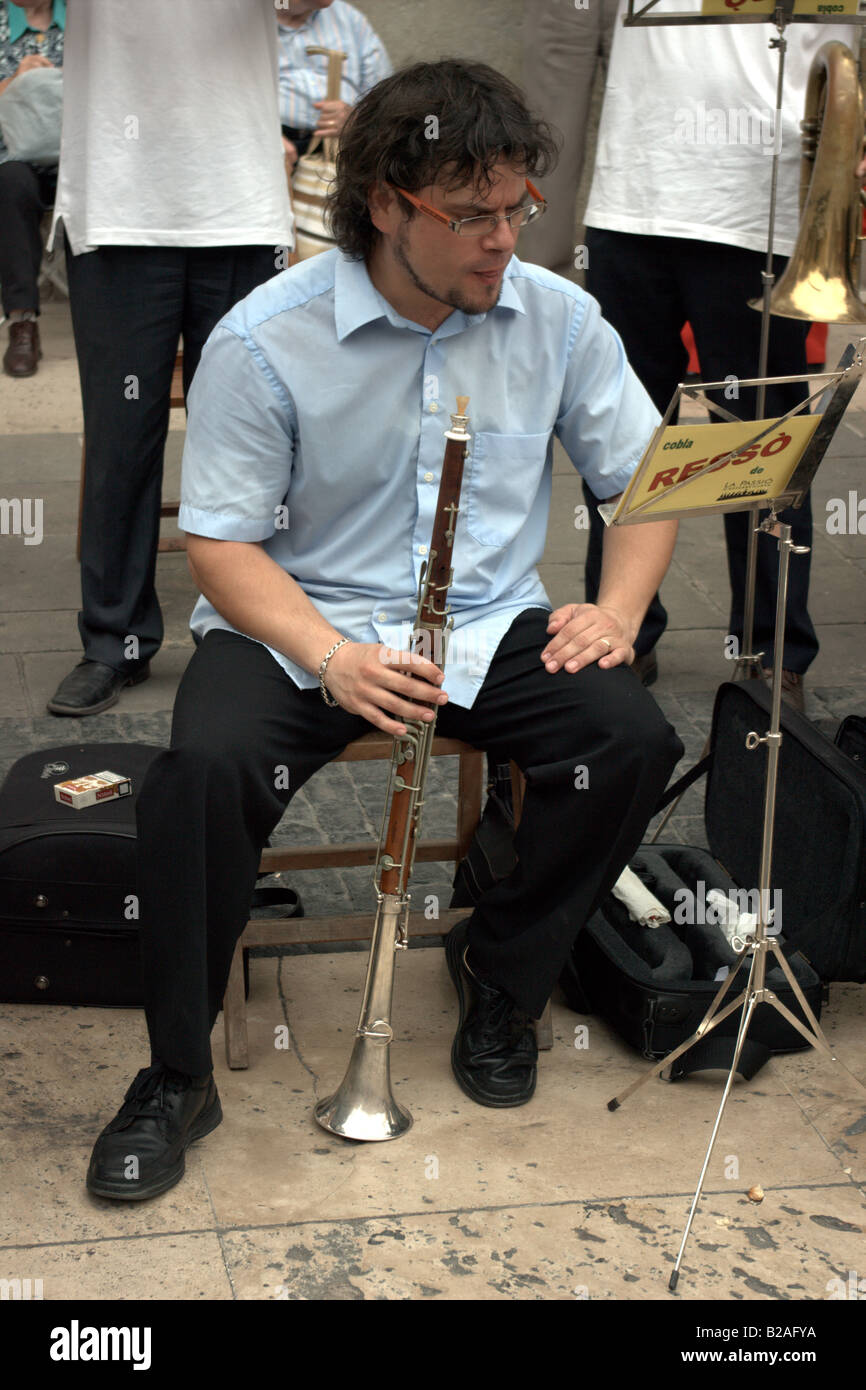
304,24
31,36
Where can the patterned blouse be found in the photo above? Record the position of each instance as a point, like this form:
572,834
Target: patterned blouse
48,43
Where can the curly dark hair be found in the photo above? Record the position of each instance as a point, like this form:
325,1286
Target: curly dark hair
480,118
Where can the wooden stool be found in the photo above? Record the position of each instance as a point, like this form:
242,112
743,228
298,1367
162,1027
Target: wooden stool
358,926
166,543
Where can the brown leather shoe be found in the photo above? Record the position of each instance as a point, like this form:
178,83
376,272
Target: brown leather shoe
792,688
23,353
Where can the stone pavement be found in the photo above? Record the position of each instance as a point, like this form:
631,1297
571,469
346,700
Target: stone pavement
557,1200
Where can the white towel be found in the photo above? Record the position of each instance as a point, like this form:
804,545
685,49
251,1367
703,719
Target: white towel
735,923
642,906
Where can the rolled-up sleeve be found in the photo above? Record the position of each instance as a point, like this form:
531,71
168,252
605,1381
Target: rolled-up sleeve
240,439
606,418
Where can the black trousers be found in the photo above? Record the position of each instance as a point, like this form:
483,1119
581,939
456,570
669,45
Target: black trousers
208,805
26,191
130,305
648,287
301,139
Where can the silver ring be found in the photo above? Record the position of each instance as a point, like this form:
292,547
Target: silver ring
606,643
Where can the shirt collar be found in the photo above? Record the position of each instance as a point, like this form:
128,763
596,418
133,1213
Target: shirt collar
298,28
357,301
18,18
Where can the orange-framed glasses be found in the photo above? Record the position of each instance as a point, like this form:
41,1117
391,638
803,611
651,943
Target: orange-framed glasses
486,222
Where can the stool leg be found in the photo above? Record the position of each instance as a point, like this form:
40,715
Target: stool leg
544,1030
80,506
518,787
235,1014
470,782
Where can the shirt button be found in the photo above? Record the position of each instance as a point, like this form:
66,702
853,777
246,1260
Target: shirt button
433,407
383,617
428,477
422,550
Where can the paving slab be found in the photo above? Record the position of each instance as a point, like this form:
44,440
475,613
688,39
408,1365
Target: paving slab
14,702
31,461
173,1266
38,578
558,1199
576,1251
43,671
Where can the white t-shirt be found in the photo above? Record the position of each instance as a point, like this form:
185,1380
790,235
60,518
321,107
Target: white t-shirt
171,127
688,128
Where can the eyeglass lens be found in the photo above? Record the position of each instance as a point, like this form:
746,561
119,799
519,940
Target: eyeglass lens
477,226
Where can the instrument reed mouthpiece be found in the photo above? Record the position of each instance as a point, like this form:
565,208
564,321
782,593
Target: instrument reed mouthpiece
461,419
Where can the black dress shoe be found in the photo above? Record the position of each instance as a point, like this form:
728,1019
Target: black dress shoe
495,1054
646,667
141,1152
93,687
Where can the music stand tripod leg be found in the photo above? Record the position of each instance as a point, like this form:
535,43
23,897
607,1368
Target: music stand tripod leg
741,1038
813,1033
710,1020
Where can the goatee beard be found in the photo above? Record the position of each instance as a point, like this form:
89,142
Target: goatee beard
454,299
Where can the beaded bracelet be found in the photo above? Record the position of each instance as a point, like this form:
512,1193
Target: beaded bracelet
326,695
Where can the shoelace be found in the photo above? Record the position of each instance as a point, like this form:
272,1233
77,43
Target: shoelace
503,1019
145,1089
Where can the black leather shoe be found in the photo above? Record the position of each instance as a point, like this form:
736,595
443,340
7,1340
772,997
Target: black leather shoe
93,687
495,1055
141,1152
646,667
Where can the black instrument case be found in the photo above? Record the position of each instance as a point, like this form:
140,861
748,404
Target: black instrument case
654,985
68,886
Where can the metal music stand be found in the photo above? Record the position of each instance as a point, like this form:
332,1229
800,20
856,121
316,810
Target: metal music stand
748,662
757,946
780,15
639,16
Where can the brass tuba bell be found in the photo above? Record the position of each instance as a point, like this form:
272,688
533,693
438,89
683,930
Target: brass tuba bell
821,280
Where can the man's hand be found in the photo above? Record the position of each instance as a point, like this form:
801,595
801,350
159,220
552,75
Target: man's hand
377,682
291,152
332,117
33,60
581,633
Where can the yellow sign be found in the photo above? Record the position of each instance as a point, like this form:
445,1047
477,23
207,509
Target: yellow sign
760,470
768,7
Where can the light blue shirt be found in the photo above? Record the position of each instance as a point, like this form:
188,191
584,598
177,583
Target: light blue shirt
304,76
316,424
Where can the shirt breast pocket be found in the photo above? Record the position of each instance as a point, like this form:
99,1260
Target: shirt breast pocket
504,474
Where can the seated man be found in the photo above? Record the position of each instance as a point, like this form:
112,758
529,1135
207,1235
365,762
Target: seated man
311,475
31,36
303,24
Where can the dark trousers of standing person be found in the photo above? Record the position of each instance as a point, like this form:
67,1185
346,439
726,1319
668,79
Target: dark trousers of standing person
648,287
26,191
595,749
563,49
130,306
301,139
